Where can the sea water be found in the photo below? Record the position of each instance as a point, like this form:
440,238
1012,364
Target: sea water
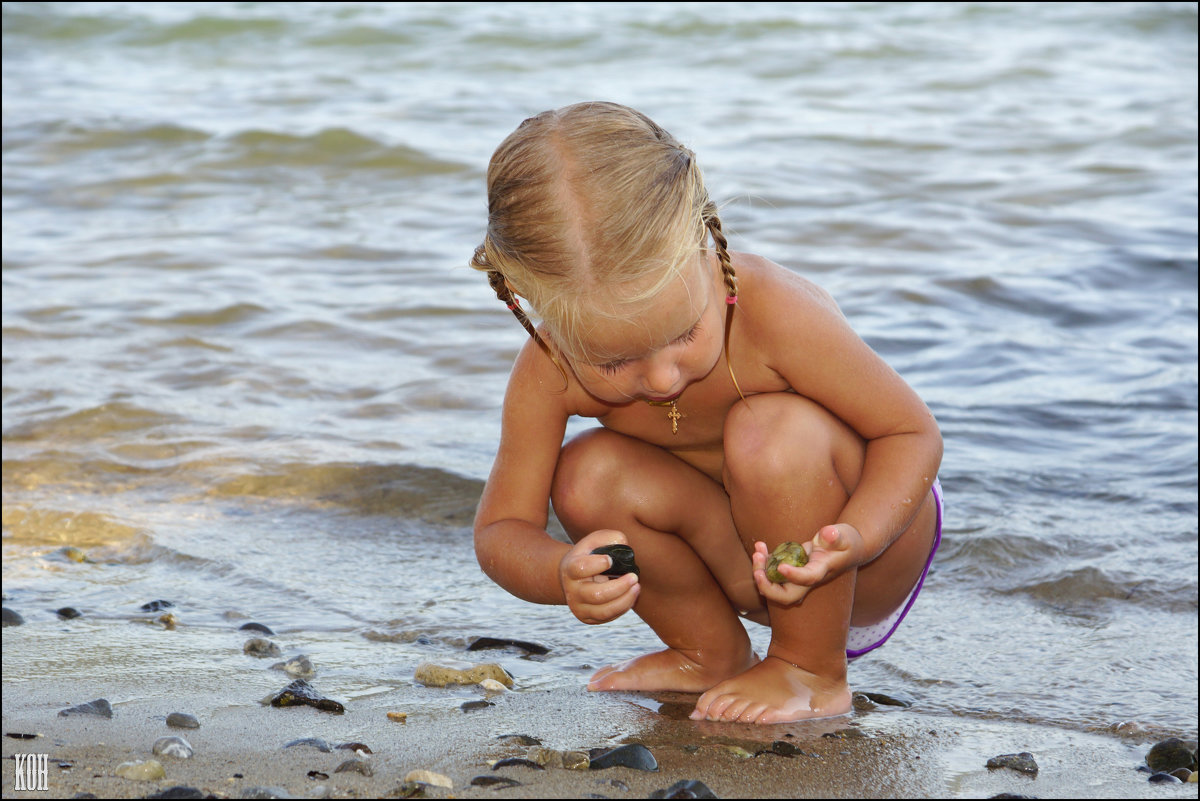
247,370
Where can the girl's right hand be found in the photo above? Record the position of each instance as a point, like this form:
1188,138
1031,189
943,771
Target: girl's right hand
595,598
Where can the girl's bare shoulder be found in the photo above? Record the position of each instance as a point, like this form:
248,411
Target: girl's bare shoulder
770,294
548,384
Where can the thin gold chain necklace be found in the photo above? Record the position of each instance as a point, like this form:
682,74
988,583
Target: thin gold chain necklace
674,414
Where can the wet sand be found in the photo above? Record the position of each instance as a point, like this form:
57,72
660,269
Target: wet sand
887,752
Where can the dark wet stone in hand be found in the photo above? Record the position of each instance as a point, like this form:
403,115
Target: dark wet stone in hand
634,756
300,692
1172,754
484,643
687,788
67,613
100,707
156,606
1022,762
256,627
622,560
11,618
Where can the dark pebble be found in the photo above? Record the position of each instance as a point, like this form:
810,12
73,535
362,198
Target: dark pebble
1172,754
1164,778
315,742
261,648
634,756
100,707
622,560
318,775
67,613
1183,774
300,692
182,720
265,792
408,790
883,699
1022,762
517,762
156,606
688,788
11,618
355,747
521,739
355,766
179,791
485,643
256,627
85,795
19,736
499,782
471,706
1011,795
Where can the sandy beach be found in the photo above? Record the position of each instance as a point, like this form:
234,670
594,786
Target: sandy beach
885,752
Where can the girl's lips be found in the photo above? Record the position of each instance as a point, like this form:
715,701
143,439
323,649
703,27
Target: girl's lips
665,400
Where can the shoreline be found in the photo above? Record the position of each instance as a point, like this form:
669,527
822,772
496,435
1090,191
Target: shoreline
887,752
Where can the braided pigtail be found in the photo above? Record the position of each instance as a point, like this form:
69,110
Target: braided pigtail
713,223
500,286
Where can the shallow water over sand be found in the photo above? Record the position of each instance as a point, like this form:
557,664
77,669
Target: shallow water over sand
247,370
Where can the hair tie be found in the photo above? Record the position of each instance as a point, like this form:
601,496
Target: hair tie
731,299
514,306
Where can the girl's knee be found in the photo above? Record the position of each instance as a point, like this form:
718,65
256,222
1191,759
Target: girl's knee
589,472
782,436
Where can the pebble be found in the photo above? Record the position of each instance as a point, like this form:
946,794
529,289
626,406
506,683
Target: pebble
266,792
864,701
182,720
550,758
517,762
315,742
1164,778
256,627
492,686
471,706
499,782
1172,754
179,791
484,643
11,617
1022,762
173,747
398,717
355,766
67,613
261,648
358,748
432,675
687,788
634,756
521,739
148,771
100,707
300,692
300,667
429,777
157,606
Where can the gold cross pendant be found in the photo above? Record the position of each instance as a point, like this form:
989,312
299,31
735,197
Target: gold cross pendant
674,415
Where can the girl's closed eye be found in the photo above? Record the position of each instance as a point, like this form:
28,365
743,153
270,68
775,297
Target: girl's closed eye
612,368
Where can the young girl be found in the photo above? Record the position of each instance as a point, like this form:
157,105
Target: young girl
738,410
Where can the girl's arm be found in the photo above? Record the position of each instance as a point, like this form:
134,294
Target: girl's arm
810,345
511,542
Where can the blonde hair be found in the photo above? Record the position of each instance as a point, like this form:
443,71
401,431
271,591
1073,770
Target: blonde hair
593,201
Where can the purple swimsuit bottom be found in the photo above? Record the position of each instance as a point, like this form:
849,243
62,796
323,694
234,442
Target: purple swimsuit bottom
865,639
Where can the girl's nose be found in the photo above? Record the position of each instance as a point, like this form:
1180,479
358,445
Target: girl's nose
661,375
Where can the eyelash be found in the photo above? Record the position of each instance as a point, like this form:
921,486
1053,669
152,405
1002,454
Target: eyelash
612,368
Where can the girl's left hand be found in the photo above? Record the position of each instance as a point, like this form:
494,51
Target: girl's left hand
831,552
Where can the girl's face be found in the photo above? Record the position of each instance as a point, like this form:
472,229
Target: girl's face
654,356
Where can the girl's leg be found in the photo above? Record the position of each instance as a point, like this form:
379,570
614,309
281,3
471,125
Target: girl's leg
667,510
790,468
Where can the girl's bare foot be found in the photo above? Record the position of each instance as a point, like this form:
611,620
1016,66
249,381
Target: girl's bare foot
774,691
668,670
